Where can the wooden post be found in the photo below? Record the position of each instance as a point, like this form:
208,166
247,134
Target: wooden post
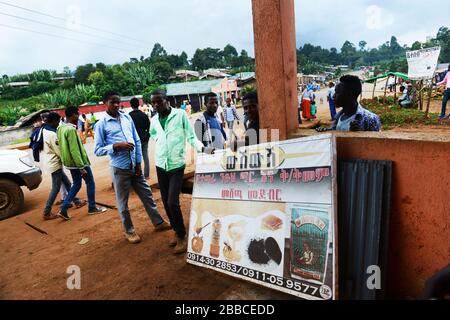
430,92
374,87
395,89
421,95
385,90
276,64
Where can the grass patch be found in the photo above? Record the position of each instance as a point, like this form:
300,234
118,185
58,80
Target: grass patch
393,116
27,140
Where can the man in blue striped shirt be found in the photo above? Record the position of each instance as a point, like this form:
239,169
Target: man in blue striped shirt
116,136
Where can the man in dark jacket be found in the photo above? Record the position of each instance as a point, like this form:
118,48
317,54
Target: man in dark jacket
142,124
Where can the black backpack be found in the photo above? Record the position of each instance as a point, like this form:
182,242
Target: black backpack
37,143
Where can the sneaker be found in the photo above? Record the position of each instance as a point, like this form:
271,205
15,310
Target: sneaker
133,238
164,226
50,216
181,246
97,211
64,216
174,241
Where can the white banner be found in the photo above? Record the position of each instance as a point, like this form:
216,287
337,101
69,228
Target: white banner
422,63
267,214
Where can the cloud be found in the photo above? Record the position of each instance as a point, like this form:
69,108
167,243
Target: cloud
181,25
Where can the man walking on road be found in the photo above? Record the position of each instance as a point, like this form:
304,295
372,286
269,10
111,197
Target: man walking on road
142,124
54,165
170,128
74,158
116,136
230,115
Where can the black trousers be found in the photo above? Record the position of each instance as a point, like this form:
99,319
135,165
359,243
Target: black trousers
170,184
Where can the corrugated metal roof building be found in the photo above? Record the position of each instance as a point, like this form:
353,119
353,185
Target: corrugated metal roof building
196,90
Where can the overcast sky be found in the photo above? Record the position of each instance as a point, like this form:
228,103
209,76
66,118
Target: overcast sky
189,24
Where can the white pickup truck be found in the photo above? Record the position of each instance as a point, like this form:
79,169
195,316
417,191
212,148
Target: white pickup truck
16,170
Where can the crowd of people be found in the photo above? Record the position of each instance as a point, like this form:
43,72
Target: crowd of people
124,137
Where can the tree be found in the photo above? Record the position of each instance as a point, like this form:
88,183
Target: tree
395,47
207,58
67,72
349,53
230,55
142,75
163,71
362,45
443,40
184,59
416,45
158,51
82,73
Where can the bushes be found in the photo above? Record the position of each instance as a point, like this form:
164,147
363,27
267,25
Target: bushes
65,97
35,88
10,114
248,89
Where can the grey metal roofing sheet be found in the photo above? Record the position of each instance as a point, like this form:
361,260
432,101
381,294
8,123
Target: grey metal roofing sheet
364,205
193,87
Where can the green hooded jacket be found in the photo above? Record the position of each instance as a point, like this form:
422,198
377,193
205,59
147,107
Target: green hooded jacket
73,153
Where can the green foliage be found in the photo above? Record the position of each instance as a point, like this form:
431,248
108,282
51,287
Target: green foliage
11,111
248,89
10,114
147,94
35,88
77,96
204,59
142,76
82,73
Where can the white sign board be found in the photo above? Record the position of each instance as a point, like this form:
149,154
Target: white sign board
267,214
422,63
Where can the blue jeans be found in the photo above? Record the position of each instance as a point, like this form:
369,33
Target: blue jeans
125,179
444,103
76,186
58,178
332,109
145,159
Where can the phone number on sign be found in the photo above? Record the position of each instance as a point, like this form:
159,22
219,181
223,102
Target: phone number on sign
257,275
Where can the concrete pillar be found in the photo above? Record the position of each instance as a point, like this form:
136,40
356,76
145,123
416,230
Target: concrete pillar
276,64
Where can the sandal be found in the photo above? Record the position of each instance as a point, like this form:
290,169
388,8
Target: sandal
80,204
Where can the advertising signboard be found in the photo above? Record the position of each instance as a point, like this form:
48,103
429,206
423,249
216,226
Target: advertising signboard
267,214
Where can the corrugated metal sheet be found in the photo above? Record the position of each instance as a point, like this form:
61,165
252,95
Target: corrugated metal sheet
364,203
193,87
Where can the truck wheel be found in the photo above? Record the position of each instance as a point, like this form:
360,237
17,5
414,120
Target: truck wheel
11,198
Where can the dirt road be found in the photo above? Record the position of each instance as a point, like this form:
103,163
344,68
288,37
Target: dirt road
34,265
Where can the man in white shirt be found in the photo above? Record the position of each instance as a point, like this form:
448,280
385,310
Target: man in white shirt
446,96
219,116
54,165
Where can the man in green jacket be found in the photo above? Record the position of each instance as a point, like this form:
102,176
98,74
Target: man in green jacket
74,158
170,129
